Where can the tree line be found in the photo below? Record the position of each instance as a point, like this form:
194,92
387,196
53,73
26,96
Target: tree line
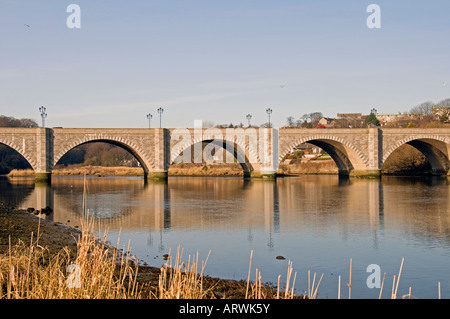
311,120
422,115
8,121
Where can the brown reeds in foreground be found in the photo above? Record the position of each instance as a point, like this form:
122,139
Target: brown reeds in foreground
181,280
31,272
98,271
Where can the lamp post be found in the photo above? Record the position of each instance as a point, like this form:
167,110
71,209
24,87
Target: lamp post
149,116
373,111
43,115
249,117
269,112
160,112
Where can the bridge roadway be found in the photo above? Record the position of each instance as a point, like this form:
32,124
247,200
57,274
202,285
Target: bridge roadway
357,152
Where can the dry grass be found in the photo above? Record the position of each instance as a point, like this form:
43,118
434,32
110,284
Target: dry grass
181,280
21,173
32,272
101,272
84,170
98,170
202,169
174,170
309,167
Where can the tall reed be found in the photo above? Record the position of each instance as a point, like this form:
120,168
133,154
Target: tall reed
181,280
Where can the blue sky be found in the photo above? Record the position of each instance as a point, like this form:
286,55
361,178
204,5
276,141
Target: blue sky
218,60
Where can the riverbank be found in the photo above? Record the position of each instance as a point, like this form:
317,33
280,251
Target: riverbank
174,170
189,169
417,166
18,227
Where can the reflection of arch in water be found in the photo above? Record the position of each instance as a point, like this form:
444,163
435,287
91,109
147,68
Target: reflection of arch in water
140,206
14,193
436,149
112,201
40,197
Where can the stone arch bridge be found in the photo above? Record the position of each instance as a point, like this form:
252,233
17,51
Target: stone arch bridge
258,150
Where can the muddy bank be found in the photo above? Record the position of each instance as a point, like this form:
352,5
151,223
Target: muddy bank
18,225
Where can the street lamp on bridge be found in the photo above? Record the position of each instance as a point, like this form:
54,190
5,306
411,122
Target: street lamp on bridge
269,112
149,116
43,110
249,117
160,112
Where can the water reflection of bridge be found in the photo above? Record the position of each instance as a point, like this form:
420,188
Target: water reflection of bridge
299,204
210,203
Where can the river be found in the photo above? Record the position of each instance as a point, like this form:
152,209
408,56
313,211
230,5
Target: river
319,223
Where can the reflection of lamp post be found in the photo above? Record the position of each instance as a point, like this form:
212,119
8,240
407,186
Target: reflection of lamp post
43,115
249,117
160,112
149,116
269,111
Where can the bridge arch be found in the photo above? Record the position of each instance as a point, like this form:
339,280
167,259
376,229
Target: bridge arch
344,154
25,155
436,149
235,148
142,157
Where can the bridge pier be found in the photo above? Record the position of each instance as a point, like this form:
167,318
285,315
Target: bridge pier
44,155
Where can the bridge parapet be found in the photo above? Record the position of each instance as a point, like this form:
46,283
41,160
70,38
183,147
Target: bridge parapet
258,150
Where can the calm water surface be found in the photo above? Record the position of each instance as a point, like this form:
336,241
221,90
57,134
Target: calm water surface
317,222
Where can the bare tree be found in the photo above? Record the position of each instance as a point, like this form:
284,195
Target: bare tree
208,124
8,121
423,109
445,102
305,117
315,117
290,121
